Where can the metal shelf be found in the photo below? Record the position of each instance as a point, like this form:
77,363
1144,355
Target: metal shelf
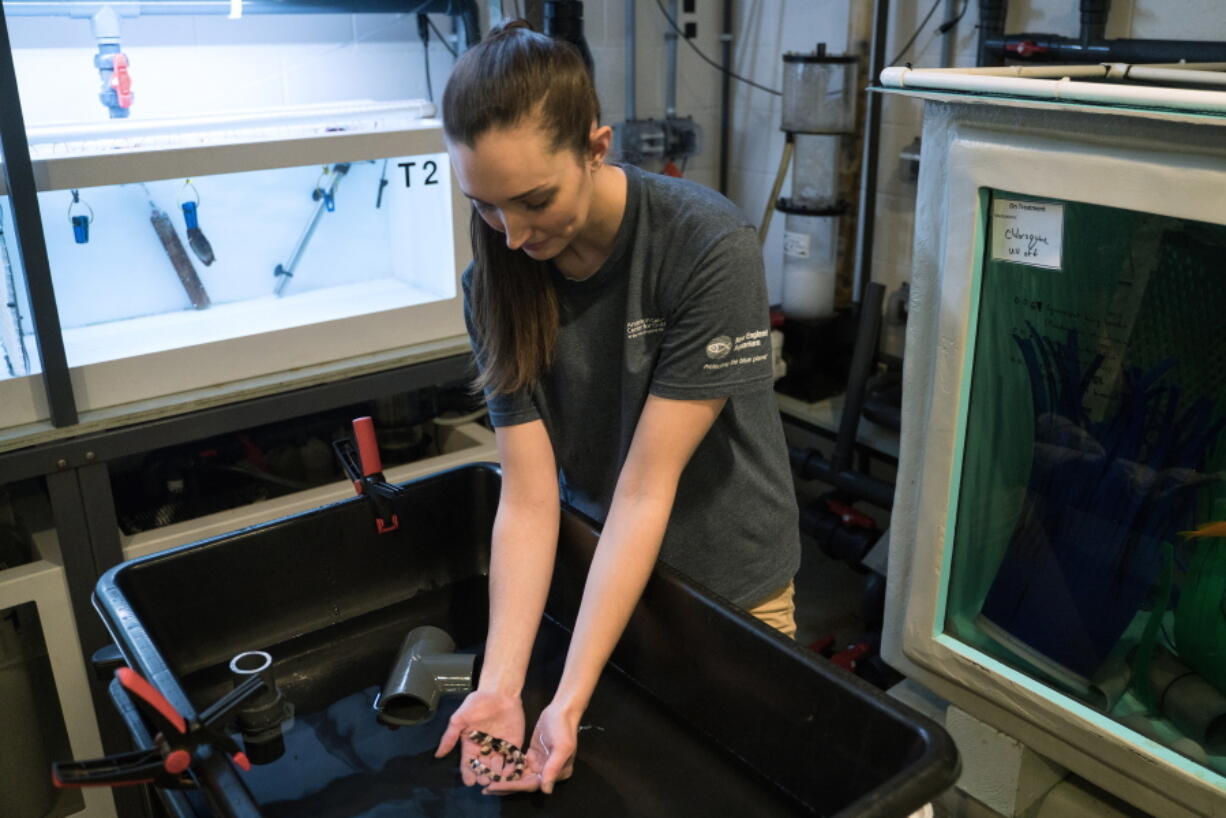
78,157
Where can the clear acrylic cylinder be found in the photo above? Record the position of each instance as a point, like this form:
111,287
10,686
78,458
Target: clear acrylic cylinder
819,93
809,262
815,171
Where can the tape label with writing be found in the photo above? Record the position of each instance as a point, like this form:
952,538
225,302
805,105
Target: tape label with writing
1026,232
796,245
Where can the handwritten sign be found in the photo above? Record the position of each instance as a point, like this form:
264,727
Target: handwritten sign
1026,232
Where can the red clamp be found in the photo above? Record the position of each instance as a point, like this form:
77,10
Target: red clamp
166,764
121,80
364,468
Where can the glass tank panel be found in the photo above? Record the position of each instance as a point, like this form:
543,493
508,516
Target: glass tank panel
173,263
18,348
1089,537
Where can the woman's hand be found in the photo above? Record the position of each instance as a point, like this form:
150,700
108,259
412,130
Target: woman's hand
497,714
551,757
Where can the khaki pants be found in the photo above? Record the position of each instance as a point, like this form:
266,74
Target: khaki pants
779,610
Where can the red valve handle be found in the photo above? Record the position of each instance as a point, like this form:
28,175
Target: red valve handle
850,516
1026,47
121,80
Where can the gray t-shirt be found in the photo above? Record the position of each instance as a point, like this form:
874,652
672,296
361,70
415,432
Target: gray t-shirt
678,310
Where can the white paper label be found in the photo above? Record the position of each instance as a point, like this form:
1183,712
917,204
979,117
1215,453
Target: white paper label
1027,232
796,244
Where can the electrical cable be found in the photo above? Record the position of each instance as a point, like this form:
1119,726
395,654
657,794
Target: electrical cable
948,24
442,38
943,29
423,32
707,59
916,34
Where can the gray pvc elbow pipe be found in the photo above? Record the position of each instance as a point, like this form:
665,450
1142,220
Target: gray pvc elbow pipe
426,669
1189,701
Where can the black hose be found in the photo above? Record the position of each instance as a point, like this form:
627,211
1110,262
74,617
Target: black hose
1094,20
725,99
991,28
872,146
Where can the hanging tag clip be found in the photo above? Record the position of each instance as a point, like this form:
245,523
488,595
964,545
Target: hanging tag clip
80,222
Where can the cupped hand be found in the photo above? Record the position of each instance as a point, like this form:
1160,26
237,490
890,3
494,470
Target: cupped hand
497,714
551,756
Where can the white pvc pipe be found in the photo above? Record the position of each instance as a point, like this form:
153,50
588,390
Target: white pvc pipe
364,112
1192,66
1151,74
1051,71
1063,89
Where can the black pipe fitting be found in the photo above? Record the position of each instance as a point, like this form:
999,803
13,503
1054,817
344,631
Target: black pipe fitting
1050,48
1090,46
1094,20
991,30
809,464
261,717
835,536
564,21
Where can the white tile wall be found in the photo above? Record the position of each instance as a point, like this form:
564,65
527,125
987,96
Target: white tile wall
198,64
763,32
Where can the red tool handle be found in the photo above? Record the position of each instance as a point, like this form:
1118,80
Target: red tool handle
368,446
137,686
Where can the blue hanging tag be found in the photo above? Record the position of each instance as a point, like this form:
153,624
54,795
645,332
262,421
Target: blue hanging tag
80,229
189,215
329,201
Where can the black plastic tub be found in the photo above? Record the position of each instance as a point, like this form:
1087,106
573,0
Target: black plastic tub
704,711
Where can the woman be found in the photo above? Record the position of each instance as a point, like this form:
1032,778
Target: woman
620,324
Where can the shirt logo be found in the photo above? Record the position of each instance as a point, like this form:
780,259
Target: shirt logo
642,327
719,347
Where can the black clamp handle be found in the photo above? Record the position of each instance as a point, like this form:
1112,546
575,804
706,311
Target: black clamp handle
364,467
167,763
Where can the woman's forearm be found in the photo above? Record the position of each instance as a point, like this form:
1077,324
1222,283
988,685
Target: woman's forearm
625,556
525,539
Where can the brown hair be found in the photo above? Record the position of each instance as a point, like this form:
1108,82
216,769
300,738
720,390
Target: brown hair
512,74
